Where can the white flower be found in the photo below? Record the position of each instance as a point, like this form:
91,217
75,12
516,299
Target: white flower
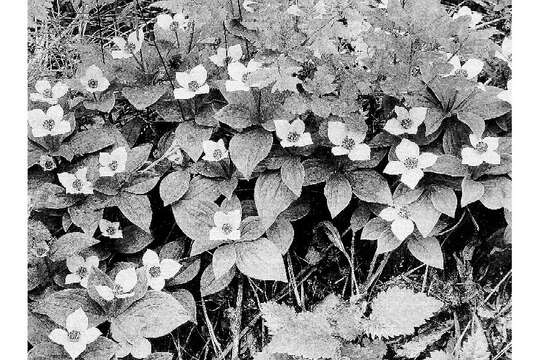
48,94
470,69
93,80
506,95
179,21
124,282
483,150
347,142
292,134
191,83
175,155
113,163
407,121
227,56
238,73
158,271
47,162
247,4
140,348
110,229
76,335
214,150
410,163
50,123
227,225
129,48
80,269
76,183
476,17
506,51
295,10
401,226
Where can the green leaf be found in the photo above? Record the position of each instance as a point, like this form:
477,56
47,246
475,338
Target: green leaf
260,259
190,136
282,73
49,196
58,305
210,285
374,229
142,184
427,250
271,197
250,148
338,193
252,228
448,165
370,186
223,260
471,191
187,272
424,214
443,199
236,116
359,217
475,122
133,241
86,217
142,97
195,218
203,188
174,186
292,174
317,171
137,157
136,208
497,193
281,233
86,142
70,244
155,315
104,103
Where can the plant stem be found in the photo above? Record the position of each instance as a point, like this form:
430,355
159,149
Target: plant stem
215,343
237,318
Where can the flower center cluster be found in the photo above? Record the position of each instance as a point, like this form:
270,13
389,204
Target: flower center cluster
48,165
117,289
461,72
245,77
411,163
293,137
481,147
77,184
111,230
130,47
174,26
154,271
406,123
217,154
113,165
404,213
41,251
82,272
49,124
348,143
92,83
74,336
227,229
193,86
47,93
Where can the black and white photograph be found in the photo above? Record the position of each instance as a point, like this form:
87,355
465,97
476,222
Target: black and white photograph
268,180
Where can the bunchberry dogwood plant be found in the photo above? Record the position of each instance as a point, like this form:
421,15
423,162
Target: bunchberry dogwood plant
311,179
